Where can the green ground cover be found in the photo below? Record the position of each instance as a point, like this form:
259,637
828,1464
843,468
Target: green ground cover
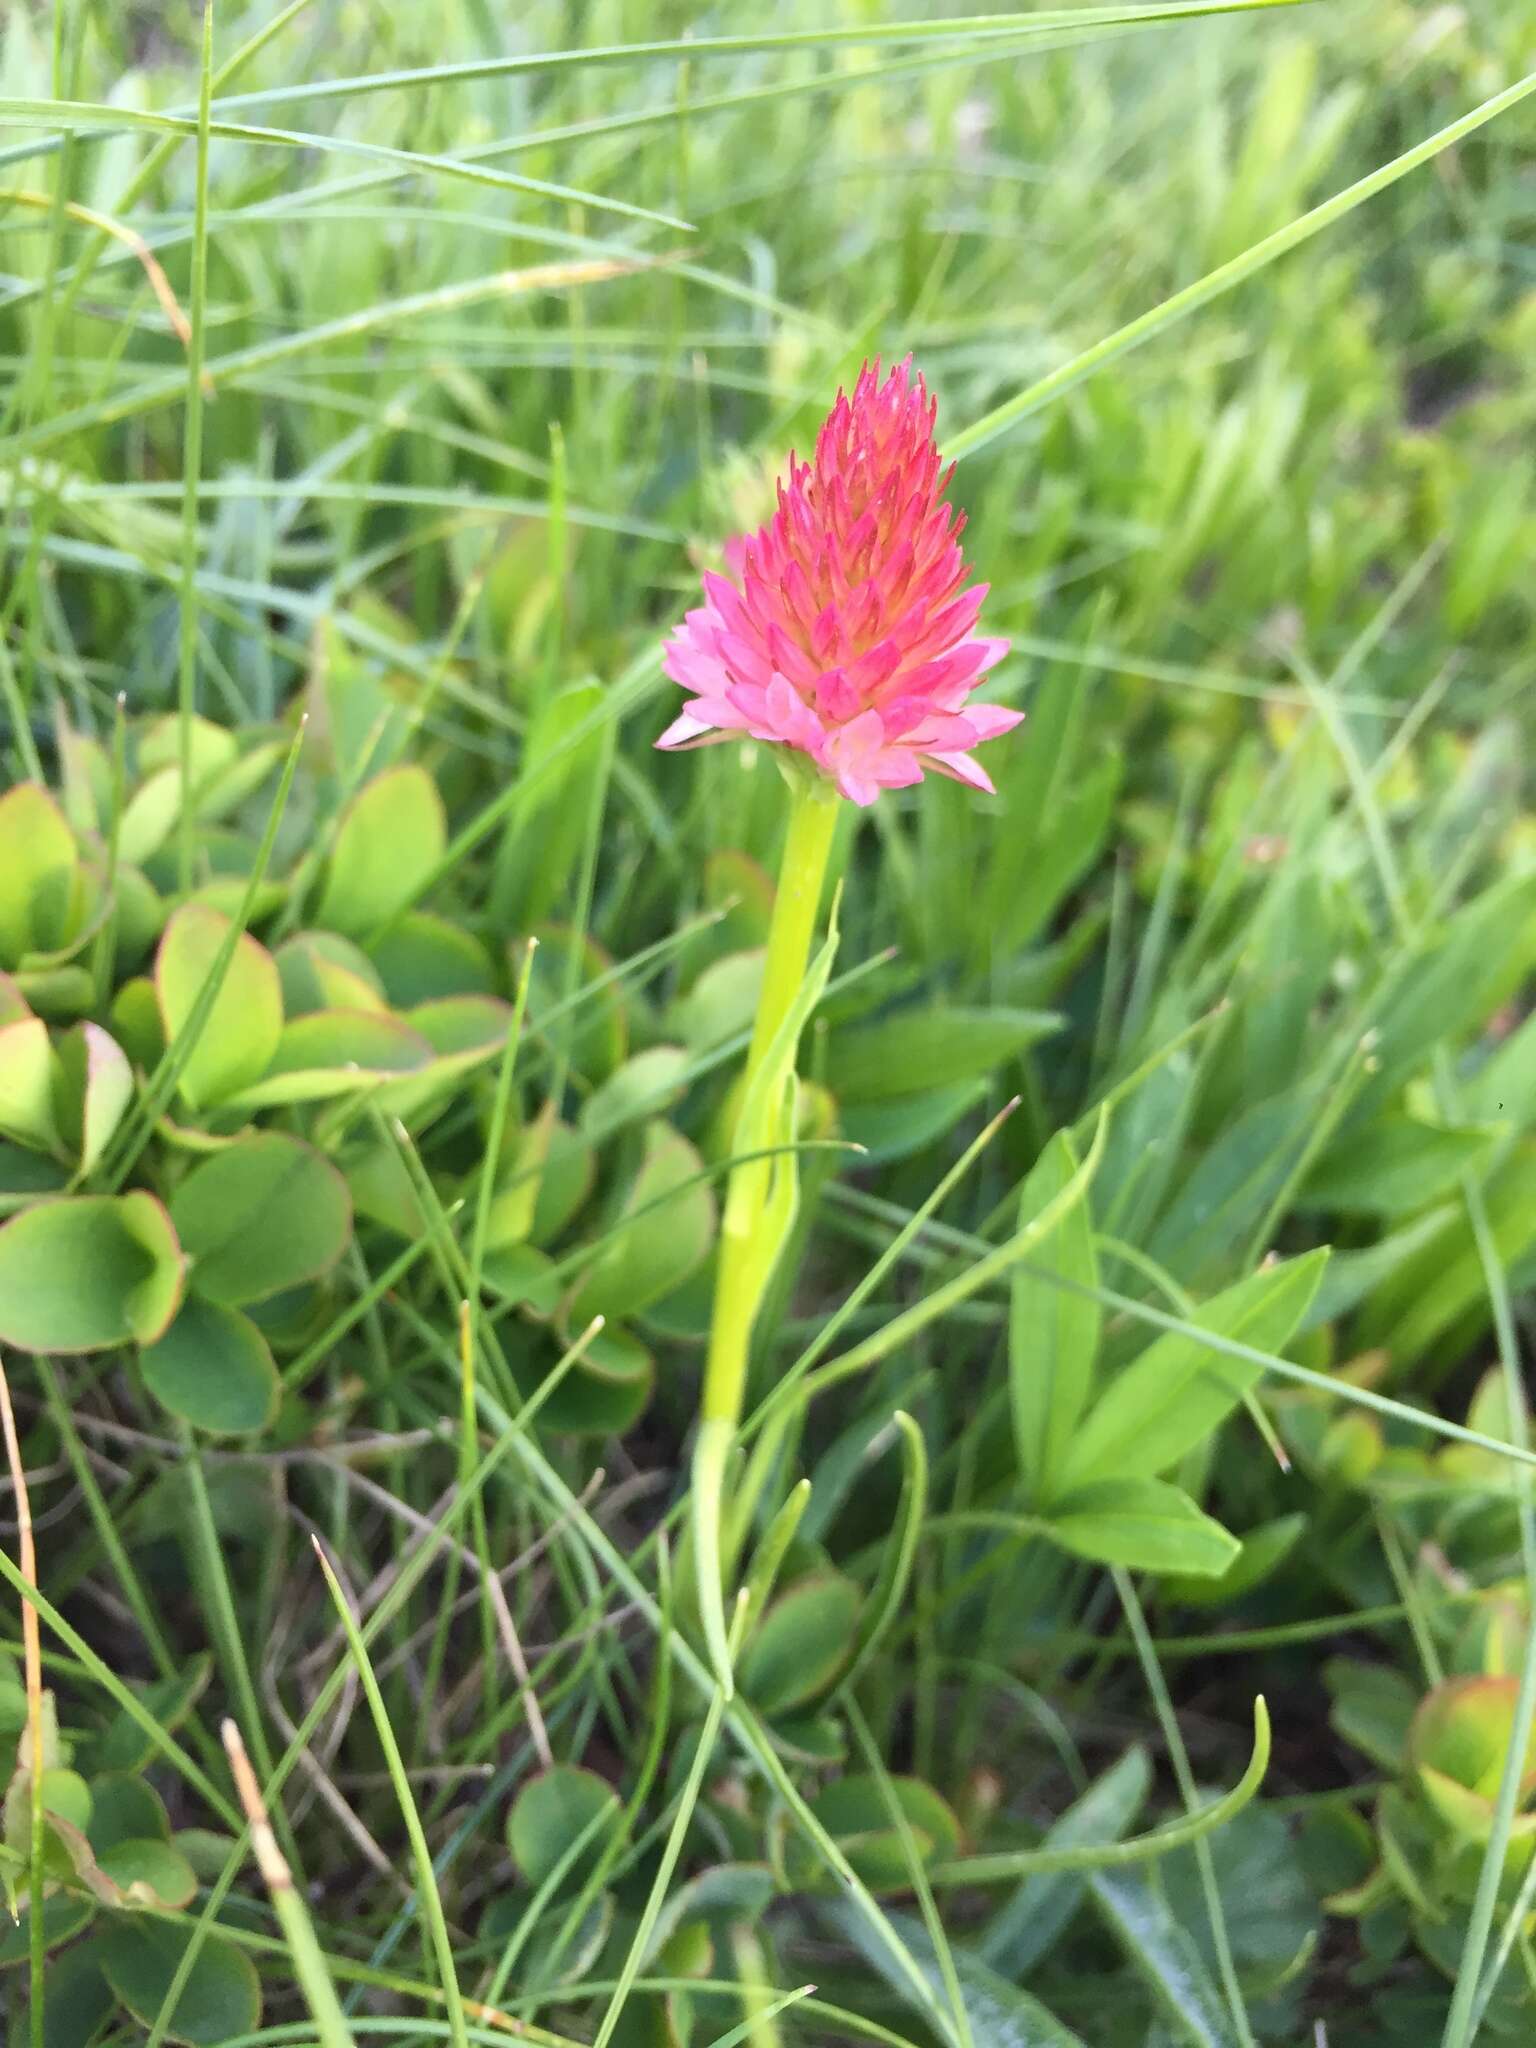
1148,1659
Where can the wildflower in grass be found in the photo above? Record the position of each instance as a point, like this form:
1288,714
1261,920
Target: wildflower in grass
844,630
849,641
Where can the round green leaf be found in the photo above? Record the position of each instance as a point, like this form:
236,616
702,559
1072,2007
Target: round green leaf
136,1022
95,1088
802,1643
26,1084
391,838
24,1175
149,815
13,1004
552,1811
78,2001
152,1871
241,1032
332,1052
595,1027
262,1215
212,748
519,1273
856,1812
213,1368
63,1917
646,1085
87,1272
323,971
125,1809
220,2000
39,875
594,1404
422,957
722,1001
673,1227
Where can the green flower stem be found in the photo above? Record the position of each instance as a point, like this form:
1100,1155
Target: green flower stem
745,1260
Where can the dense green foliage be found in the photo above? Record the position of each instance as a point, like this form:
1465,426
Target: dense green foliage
1144,1661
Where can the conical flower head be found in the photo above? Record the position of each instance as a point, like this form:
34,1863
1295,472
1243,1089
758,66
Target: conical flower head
844,629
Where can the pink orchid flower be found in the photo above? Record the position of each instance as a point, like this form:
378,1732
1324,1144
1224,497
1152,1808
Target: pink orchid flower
844,631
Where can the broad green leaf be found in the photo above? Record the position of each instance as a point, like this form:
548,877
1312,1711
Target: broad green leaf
521,1273
1000,2015
722,1002
87,1272
123,1744
79,1997
152,1871
39,875
1178,1390
673,1227
213,1368
1462,1729
1271,1912
463,1032
1443,1287
422,958
1053,1332
1229,1193
725,1894
13,1004
1457,979
26,1084
550,822
917,1050
553,1811
136,1023
323,971
1373,1708
562,1169
802,1643
1264,1550
1140,1522
63,1918
335,1052
646,1085
1071,838
220,1999
149,816
1396,1166
95,1088
1503,1090
124,1808
601,1404
262,1215
240,1033
58,993
896,1129
1164,1955
594,1028
25,1174
1025,1927
390,840
211,748
855,1811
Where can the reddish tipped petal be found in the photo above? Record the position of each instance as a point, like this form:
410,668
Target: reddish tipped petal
961,768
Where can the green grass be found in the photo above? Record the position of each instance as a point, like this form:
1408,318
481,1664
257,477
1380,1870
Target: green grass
402,367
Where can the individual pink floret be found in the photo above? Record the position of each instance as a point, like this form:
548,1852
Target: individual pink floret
843,629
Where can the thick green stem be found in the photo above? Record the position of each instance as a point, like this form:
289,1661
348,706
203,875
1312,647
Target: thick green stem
743,1268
